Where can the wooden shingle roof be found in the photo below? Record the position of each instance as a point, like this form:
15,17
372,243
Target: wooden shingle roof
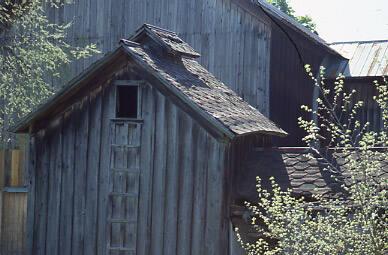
188,77
172,62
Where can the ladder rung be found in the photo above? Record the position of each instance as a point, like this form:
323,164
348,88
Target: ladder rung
125,145
121,221
123,194
121,249
134,170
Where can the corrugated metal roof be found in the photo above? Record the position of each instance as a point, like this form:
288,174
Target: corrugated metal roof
366,58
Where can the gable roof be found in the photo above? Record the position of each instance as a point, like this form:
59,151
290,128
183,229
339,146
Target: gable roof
279,17
180,74
366,58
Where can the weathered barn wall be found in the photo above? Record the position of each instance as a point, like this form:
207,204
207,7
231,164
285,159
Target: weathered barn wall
290,85
234,44
99,186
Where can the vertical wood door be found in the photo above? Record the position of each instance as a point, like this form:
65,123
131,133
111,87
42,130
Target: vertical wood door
123,187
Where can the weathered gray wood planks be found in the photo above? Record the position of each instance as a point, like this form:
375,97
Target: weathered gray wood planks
220,30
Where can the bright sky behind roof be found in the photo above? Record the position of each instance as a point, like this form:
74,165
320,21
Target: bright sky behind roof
346,20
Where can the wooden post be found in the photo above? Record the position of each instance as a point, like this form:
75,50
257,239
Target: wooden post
1,187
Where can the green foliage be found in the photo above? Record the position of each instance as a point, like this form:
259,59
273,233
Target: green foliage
354,223
32,51
284,6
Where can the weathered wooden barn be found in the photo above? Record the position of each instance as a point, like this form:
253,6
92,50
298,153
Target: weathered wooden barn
256,50
251,46
137,155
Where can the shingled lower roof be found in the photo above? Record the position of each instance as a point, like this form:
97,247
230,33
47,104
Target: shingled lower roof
293,169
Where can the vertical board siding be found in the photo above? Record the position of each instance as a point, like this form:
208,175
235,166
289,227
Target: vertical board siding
80,168
53,193
41,191
185,184
371,112
92,174
146,173
67,188
103,178
158,192
69,211
234,45
172,182
183,211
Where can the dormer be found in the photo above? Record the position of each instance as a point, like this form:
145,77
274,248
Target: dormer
169,42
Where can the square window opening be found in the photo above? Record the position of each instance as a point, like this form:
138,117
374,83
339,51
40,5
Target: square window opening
127,101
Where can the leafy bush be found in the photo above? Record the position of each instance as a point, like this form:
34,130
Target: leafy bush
354,223
32,52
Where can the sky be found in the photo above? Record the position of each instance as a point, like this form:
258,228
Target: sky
346,20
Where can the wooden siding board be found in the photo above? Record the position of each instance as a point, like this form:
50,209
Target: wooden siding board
103,180
214,220
92,174
199,201
31,167
81,151
67,193
185,185
171,208
159,175
144,220
42,174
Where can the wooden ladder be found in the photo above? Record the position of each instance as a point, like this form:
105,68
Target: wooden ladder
123,188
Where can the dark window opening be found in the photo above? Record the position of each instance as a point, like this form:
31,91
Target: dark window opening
127,102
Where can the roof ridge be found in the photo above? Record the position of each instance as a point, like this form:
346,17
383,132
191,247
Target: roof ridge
361,41
129,43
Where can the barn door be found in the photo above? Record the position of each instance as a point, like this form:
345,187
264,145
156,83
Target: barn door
123,187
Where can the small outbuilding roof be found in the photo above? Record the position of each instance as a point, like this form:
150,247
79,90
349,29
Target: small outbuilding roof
366,58
179,73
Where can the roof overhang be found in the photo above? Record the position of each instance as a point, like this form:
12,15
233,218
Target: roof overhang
64,95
